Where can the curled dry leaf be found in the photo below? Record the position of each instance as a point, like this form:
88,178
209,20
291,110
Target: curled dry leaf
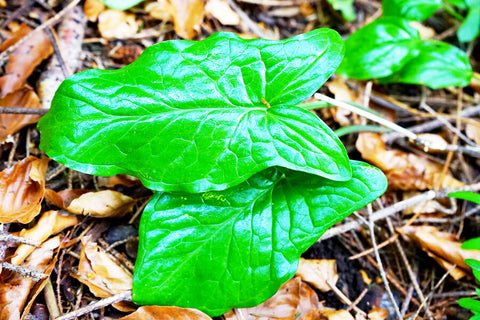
329,314
187,16
102,204
165,313
294,300
342,92
317,272
22,188
473,132
103,276
221,10
16,290
404,171
24,97
24,59
50,223
160,9
62,199
441,246
115,24
92,9
426,207
119,179
378,314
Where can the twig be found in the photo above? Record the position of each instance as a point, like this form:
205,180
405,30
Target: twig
4,237
249,22
406,301
380,265
50,300
359,298
127,295
24,271
344,298
22,110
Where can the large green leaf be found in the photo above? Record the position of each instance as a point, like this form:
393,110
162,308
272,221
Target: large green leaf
470,27
234,248
379,49
437,65
198,116
417,10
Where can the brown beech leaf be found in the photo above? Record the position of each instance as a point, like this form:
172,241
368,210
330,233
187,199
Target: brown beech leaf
317,271
62,199
160,9
92,9
294,300
24,97
441,246
22,188
102,204
115,24
329,314
187,16
24,59
50,223
221,10
16,290
378,314
103,276
119,179
165,313
404,171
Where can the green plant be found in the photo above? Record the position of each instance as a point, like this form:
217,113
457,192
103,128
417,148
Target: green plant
121,4
246,180
390,50
345,7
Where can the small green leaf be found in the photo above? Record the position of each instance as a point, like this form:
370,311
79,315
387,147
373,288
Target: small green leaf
466,195
345,7
417,10
437,65
121,4
198,116
470,303
462,4
470,27
379,49
472,244
234,248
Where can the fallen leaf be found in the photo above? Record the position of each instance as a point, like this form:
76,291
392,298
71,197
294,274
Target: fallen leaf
103,276
24,59
50,223
15,290
221,10
160,9
404,171
342,92
294,300
378,314
329,314
473,132
187,16
426,207
62,199
425,32
435,141
22,188
115,24
102,204
165,313
92,9
441,245
24,97
317,272
119,179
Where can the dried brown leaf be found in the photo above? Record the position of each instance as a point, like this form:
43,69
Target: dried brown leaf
24,59
294,300
24,97
404,171
329,314
378,314
442,245
92,9
473,132
317,272
50,223
115,24
165,313
221,10
187,16
102,204
22,188
62,199
160,9
119,179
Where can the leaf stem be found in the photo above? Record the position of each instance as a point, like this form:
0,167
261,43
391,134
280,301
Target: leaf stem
452,12
360,128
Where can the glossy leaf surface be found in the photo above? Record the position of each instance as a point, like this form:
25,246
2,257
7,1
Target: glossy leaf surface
466,195
234,248
470,28
198,116
417,10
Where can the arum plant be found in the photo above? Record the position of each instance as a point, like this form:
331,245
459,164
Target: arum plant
244,179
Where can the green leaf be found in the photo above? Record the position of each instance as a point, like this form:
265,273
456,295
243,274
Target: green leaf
345,7
470,303
379,49
470,27
466,195
417,10
121,4
234,248
462,4
198,116
472,244
437,65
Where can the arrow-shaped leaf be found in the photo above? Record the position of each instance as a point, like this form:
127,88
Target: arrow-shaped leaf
234,248
198,116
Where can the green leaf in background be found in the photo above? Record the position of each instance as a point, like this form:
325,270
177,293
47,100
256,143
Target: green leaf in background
391,50
198,116
379,49
466,195
345,7
472,244
437,65
470,27
470,303
417,10
234,248
121,4
462,4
